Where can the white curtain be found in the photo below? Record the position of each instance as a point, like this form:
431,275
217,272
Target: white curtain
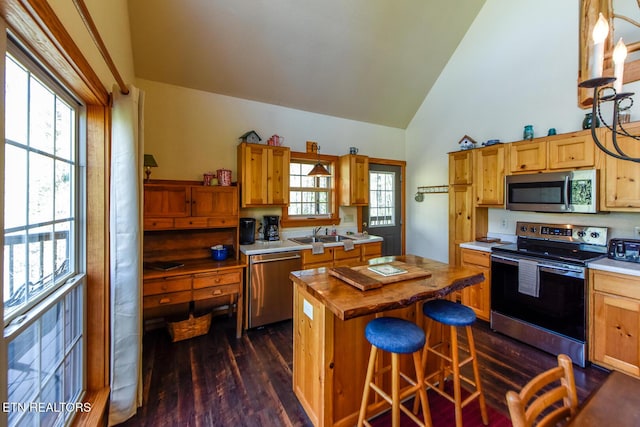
126,254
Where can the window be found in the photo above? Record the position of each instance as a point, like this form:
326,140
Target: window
43,288
309,196
381,199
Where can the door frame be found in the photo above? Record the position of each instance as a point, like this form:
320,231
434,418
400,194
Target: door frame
403,211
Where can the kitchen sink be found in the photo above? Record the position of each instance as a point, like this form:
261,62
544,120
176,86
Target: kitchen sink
323,239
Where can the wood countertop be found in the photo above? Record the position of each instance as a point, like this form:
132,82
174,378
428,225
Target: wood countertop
347,302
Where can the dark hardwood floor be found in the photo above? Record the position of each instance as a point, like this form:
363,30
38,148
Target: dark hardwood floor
218,380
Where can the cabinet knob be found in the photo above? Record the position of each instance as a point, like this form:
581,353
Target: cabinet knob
164,300
216,292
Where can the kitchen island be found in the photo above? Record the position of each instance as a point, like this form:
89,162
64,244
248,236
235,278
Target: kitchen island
330,351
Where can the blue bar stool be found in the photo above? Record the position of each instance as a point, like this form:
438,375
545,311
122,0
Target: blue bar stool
454,315
396,336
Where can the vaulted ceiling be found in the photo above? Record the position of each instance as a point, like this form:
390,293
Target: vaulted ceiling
367,60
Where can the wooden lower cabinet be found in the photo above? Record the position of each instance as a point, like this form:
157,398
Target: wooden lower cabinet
615,334
478,297
336,256
172,295
330,360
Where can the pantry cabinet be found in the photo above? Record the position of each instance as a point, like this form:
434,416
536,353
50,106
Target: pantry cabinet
478,297
488,175
354,180
460,220
263,175
461,168
615,334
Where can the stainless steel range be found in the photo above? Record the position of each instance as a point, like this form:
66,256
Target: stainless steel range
538,286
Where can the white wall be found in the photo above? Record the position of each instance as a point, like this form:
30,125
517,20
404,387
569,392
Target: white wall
517,65
190,131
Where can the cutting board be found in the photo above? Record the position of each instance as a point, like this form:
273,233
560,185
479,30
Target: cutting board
364,279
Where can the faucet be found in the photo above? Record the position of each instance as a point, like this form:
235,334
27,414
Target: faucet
316,230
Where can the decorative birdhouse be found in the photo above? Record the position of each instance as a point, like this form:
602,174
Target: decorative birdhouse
251,137
467,143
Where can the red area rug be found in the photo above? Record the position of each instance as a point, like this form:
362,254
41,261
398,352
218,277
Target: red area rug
443,415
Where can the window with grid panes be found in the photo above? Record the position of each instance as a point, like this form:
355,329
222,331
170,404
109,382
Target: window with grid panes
309,196
381,199
43,283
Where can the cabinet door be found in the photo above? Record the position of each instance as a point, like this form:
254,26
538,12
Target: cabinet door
478,297
214,201
254,169
460,167
278,176
166,200
622,191
354,180
488,172
460,219
528,156
371,250
574,151
616,342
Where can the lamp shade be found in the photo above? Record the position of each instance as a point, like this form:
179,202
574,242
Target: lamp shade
319,170
149,161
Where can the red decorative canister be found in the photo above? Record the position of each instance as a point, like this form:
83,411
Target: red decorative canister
224,177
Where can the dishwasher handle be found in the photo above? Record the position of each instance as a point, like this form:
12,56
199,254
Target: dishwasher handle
282,258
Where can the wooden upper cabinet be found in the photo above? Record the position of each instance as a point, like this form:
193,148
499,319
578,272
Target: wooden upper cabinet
528,156
575,150
166,200
214,201
263,174
488,175
622,177
181,206
354,180
460,167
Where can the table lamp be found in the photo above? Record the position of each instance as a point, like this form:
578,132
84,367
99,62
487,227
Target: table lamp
149,162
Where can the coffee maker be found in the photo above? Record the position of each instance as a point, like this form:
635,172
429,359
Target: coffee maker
270,227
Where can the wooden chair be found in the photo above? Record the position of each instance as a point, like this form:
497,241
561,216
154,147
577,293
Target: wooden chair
540,397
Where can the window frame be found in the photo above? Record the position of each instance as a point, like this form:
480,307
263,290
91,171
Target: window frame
334,219
15,49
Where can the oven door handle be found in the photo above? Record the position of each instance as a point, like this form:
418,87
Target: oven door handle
504,260
578,272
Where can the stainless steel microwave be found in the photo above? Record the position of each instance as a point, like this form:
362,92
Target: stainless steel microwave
570,191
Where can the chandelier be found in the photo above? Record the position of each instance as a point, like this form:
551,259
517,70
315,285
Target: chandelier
602,92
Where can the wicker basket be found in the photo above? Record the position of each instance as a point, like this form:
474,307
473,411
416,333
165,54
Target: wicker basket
192,327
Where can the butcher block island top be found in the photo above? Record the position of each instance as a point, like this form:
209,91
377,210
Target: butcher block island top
347,301
330,351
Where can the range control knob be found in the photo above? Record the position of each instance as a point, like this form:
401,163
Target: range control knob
595,234
523,228
533,229
581,233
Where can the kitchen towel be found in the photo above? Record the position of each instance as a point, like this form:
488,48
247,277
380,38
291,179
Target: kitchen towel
348,245
528,280
317,248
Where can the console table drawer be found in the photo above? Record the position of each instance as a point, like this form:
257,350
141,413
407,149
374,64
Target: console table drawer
216,291
166,299
216,279
163,286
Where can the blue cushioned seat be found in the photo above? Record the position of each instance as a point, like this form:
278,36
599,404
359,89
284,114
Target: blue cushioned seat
394,335
449,313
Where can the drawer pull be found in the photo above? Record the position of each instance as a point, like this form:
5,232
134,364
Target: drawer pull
164,300
216,292
217,280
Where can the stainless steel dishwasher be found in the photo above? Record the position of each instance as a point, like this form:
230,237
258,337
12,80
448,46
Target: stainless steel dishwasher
269,289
